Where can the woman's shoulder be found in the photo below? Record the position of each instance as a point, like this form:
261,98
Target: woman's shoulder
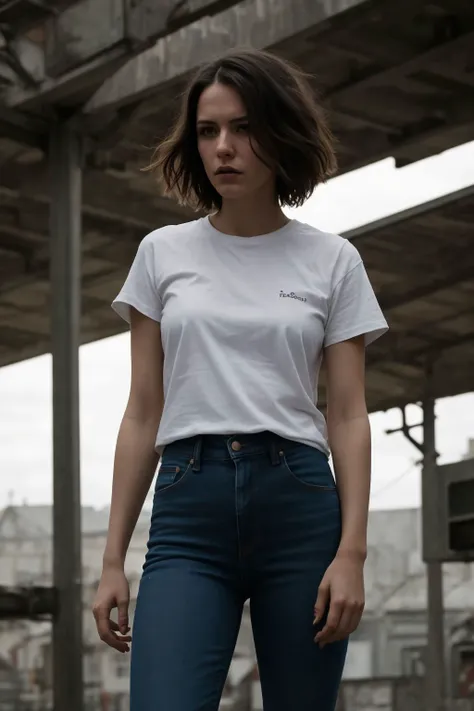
161,235
330,247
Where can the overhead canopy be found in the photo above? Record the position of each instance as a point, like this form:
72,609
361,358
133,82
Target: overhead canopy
396,76
420,261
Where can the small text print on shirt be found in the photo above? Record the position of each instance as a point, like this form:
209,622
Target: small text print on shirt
291,295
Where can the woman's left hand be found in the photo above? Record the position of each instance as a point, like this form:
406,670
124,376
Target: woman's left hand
342,588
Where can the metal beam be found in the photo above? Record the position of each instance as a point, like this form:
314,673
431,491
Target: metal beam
21,60
457,275
393,351
82,32
106,197
354,117
22,15
92,39
91,27
416,142
250,24
259,24
409,68
76,82
147,19
31,603
424,208
65,165
27,130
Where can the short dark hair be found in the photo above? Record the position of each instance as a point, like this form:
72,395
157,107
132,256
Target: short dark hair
285,118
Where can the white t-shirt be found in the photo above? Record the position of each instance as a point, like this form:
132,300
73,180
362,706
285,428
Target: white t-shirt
244,321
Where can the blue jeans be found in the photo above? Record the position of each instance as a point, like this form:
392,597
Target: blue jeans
234,518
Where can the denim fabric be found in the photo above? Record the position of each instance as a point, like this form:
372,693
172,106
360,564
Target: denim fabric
260,522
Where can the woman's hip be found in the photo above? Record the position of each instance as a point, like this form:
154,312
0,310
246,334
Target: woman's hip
248,499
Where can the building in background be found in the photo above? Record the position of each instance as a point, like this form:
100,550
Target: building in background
388,645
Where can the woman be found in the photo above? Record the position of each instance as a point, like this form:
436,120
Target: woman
230,317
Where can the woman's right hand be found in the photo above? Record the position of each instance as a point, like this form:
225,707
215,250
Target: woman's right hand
113,591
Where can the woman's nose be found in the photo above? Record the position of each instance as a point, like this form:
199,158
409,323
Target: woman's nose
224,145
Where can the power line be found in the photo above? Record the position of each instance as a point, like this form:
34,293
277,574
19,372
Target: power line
412,467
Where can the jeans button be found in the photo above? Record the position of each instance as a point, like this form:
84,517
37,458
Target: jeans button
236,446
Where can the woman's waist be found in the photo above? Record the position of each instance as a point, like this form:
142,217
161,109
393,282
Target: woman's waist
231,445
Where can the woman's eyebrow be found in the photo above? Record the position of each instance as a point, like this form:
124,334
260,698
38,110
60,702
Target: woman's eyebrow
234,120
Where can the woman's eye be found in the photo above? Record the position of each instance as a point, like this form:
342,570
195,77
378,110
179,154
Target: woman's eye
209,131
205,131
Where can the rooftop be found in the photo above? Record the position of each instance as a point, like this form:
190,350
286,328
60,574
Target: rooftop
35,521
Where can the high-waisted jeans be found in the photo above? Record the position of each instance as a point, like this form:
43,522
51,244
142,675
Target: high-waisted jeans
234,518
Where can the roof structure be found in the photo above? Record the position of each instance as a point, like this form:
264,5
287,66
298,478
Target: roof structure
421,264
396,76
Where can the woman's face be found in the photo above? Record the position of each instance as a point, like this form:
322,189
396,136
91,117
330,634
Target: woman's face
224,142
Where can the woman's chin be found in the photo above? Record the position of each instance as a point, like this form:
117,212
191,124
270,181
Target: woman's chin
232,191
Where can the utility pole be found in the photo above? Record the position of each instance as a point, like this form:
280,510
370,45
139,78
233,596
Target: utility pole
435,666
435,650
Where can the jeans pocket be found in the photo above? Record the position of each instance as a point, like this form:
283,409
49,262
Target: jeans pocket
309,467
170,474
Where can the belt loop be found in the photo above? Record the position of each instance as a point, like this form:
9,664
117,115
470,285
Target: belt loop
197,454
274,452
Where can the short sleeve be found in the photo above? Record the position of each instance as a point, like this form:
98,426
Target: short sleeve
354,309
140,287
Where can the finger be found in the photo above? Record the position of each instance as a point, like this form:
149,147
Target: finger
349,622
123,615
113,640
344,627
106,633
114,626
357,613
321,603
117,643
335,611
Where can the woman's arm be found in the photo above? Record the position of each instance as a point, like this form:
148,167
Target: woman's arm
349,440
349,436
135,457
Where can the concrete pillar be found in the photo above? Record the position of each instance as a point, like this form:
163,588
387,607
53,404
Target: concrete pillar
435,660
65,169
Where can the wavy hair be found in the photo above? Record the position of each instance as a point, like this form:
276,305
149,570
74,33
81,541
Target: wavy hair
285,119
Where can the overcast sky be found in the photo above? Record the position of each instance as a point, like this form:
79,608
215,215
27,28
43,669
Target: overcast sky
346,202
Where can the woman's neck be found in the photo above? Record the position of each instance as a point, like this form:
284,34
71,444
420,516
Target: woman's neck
248,220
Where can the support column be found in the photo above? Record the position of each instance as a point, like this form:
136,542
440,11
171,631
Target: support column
65,169
435,678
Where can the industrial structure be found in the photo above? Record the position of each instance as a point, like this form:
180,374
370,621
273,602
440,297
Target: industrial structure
88,87
386,653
